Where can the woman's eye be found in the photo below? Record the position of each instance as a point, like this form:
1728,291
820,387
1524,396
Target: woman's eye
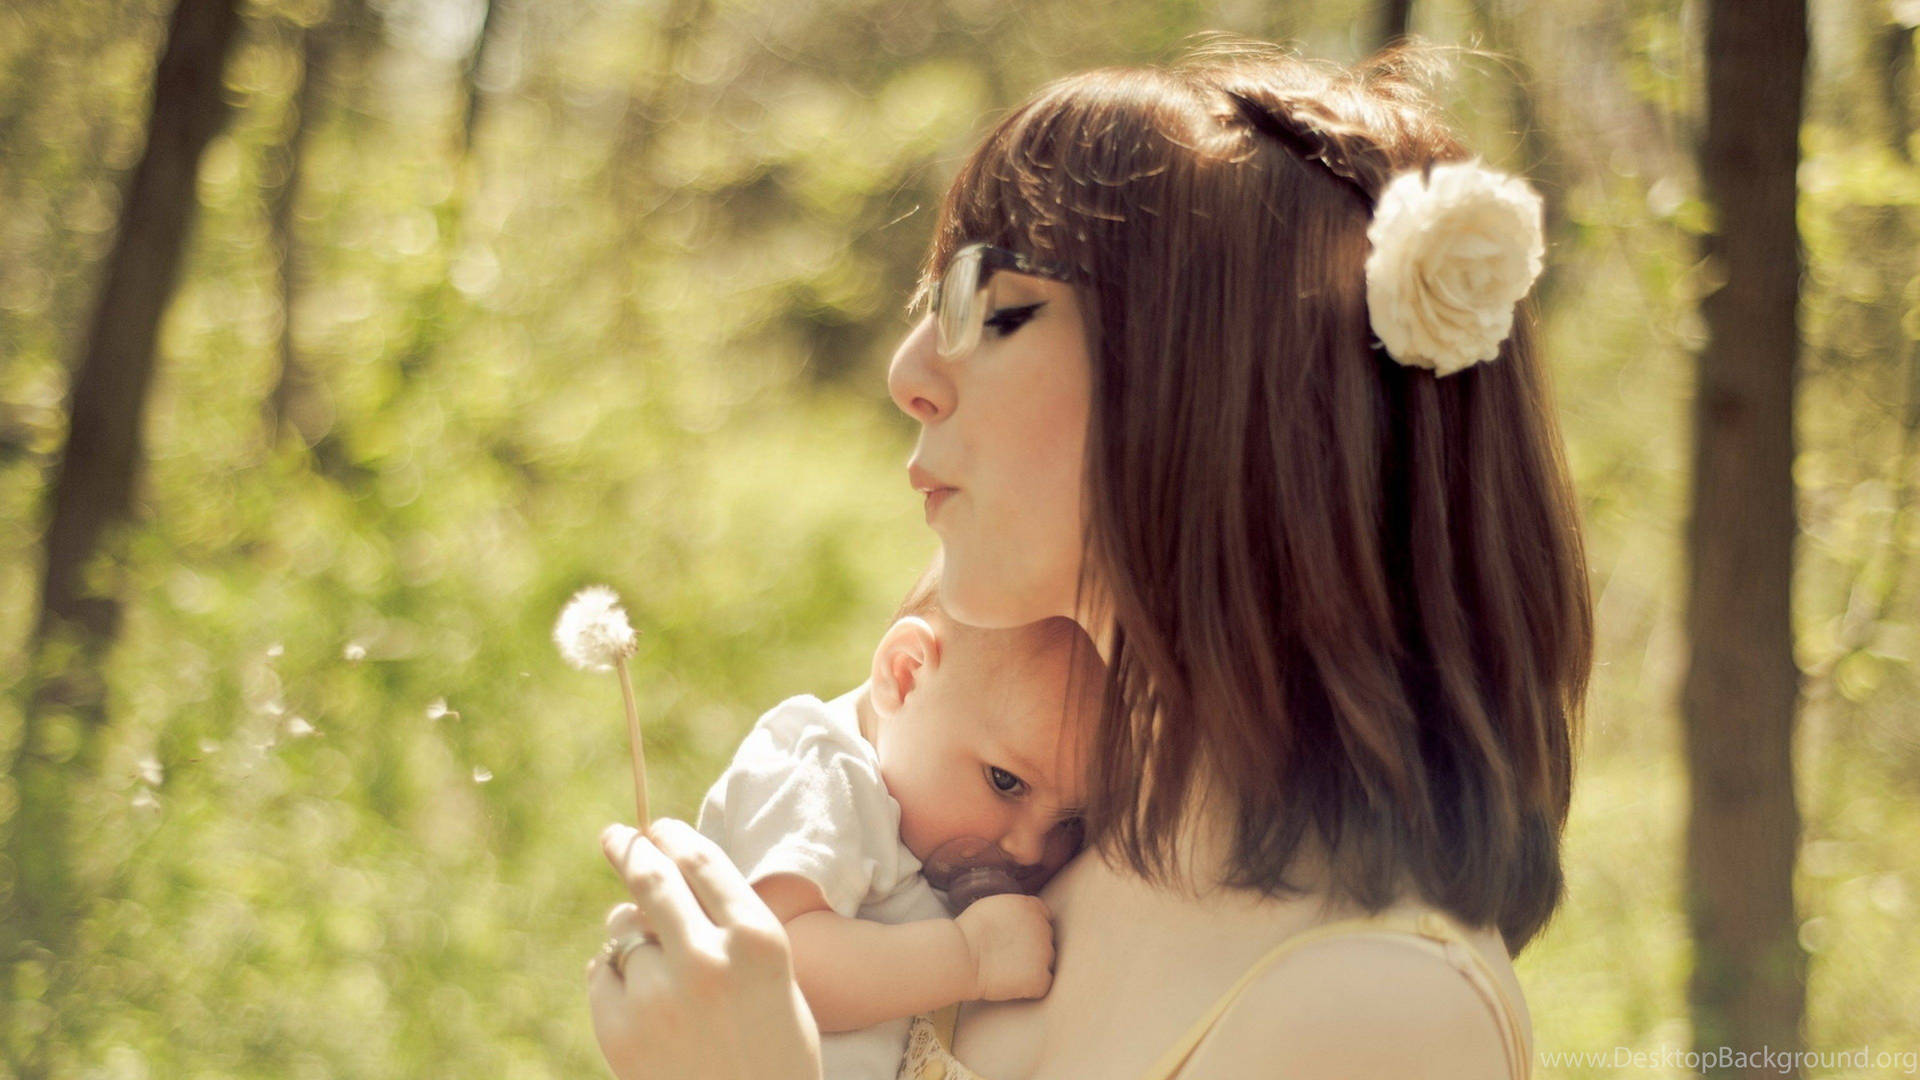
1003,781
1007,320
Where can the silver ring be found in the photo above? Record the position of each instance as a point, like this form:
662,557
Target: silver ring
616,950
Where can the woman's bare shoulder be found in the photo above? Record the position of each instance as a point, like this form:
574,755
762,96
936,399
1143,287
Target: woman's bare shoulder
1355,1006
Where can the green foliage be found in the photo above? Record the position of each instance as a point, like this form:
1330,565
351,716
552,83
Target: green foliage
345,822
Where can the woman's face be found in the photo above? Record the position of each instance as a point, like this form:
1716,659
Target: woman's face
1002,451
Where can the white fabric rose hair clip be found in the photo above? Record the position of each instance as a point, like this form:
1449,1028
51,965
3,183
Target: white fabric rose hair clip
1451,253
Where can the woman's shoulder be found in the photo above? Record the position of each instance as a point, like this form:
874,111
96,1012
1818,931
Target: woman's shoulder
1324,1007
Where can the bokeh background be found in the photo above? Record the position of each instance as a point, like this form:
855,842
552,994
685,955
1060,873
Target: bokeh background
488,301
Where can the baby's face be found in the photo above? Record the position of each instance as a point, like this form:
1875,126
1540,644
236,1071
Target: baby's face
987,745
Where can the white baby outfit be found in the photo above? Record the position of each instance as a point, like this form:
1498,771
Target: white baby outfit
804,796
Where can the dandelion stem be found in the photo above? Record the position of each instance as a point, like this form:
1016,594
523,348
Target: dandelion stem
639,752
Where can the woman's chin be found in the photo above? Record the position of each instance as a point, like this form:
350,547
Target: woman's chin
966,599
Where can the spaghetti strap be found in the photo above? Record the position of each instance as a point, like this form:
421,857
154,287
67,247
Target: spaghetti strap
928,1055
1428,925
944,1021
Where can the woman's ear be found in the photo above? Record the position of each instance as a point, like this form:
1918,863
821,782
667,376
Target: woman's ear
907,654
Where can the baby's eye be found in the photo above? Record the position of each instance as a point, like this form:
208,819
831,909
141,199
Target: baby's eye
1003,781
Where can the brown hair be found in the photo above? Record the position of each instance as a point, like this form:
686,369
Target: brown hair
1350,593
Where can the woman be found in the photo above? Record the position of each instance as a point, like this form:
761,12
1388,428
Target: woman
1232,396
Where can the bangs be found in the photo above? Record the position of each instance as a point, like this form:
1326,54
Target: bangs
1000,196
1059,172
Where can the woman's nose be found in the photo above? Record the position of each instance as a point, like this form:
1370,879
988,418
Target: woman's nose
915,379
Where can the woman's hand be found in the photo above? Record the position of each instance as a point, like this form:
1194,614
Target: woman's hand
712,997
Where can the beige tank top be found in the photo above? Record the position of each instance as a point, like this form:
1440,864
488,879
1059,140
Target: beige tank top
931,1034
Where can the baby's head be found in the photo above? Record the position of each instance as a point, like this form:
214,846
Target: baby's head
984,733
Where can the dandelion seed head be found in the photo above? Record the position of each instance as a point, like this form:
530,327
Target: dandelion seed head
593,631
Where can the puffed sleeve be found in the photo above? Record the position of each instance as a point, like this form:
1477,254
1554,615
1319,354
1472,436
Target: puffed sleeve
804,798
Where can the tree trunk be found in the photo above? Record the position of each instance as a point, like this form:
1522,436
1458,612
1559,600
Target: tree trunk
1895,67
1392,17
1543,163
298,400
470,76
1741,690
92,492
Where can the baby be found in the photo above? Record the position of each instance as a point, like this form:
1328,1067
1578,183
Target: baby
850,818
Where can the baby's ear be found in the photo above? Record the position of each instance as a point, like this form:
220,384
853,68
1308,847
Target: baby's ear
908,652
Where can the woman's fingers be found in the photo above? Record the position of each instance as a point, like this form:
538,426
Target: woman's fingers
624,918
728,899
659,889
706,1001
611,1002
636,972
624,925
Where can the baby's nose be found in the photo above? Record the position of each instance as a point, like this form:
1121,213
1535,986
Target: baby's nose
1025,844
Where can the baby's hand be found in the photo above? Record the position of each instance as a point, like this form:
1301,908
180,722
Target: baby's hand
1010,938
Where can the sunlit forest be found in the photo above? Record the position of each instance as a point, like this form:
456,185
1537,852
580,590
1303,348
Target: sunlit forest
487,300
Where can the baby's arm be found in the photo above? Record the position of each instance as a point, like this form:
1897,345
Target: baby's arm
858,972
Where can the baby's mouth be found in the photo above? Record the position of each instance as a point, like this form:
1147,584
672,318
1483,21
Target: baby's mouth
970,868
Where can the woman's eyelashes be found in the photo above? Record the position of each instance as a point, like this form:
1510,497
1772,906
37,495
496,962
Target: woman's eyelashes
1006,320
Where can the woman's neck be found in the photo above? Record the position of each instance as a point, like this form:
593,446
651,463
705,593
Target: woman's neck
1202,857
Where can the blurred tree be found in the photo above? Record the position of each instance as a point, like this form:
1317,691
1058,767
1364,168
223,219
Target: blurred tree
1391,20
1893,36
483,44
297,399
1541,159
1740,693
92,493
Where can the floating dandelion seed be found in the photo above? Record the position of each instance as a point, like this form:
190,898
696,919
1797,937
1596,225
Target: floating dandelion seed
208,746
593,635
144,800
150,771
275,649
437,709
354,652
481,775
298,728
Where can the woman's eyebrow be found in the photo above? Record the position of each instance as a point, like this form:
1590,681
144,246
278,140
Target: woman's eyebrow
1009,284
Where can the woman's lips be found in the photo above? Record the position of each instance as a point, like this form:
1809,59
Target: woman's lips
936,498
936,490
